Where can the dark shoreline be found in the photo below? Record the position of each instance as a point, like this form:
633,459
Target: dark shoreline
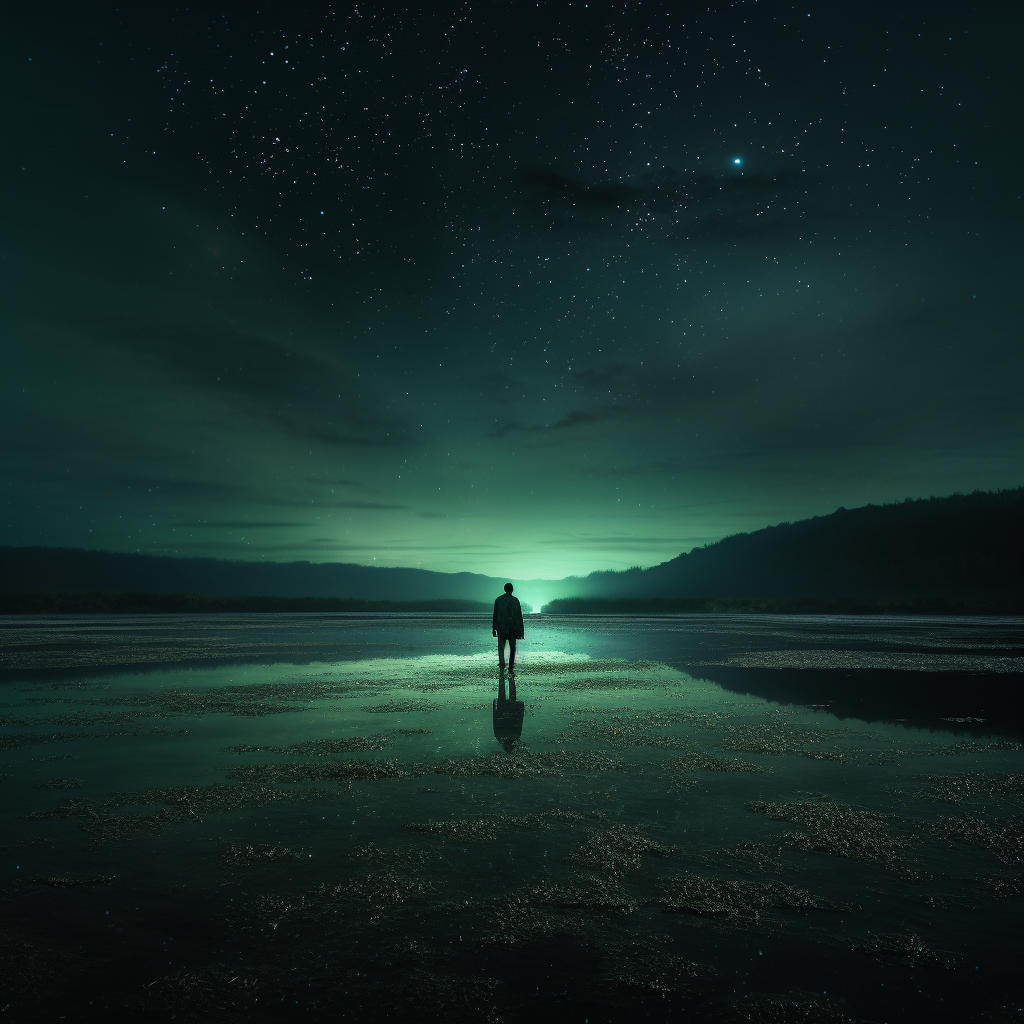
111,603
787,605
48,602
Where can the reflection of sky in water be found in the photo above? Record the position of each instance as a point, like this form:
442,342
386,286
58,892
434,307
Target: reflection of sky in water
651,833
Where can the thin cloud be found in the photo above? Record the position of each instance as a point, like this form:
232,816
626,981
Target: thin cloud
379,505
169,486
617,541
233,525
325,545
669,208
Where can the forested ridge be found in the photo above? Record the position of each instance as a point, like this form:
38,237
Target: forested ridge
957,547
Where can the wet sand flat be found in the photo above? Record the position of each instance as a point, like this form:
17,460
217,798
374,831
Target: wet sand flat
351,817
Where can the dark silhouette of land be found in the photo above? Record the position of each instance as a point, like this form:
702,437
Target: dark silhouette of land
68,570
92,602
956,548
960,546
787,605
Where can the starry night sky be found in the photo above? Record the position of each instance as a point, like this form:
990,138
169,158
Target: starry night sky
524,289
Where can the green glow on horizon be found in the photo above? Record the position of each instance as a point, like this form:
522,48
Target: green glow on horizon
537,354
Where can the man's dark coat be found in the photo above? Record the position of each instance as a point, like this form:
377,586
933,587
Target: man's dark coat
508,617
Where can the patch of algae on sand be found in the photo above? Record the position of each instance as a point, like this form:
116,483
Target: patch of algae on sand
487,826
791,1008
292,917
325,747
519,765
682,771
567,667
332,771
708,896
645,964
514,924
963,787
31,975
609,682
574,906
99,818
452,998
1003,838
70,881
316,748
961,747
18,740
906,948
637,729
591,894
60,784
393,857
243,855
252,700
394,707
376,892
216,992
840,830
1001,887
779,737
602,675
233,993
617,850
67,684
80,718
701,761
746,855
525,764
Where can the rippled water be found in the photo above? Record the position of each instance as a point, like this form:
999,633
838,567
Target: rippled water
322,817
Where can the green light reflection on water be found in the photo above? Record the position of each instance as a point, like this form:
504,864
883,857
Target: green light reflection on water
640,804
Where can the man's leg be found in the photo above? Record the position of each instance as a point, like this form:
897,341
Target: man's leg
511,653
501,651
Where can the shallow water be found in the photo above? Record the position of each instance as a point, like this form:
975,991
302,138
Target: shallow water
323,817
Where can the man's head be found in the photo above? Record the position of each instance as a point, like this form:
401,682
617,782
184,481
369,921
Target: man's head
508,588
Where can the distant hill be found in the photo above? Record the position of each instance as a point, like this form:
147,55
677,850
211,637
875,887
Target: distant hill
956,547
84,602
999,605
967,545
71,570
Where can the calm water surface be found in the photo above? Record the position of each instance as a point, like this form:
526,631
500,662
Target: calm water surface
324,818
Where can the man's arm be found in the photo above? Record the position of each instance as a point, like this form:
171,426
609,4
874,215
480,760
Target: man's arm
519,619
494,619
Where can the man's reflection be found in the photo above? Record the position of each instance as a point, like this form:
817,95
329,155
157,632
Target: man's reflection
508,713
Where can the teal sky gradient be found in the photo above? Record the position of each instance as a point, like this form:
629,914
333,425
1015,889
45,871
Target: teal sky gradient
497,298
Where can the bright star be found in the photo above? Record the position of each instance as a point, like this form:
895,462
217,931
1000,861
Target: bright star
737,160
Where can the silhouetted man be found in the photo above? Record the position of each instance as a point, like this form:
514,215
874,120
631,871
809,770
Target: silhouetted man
507,625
